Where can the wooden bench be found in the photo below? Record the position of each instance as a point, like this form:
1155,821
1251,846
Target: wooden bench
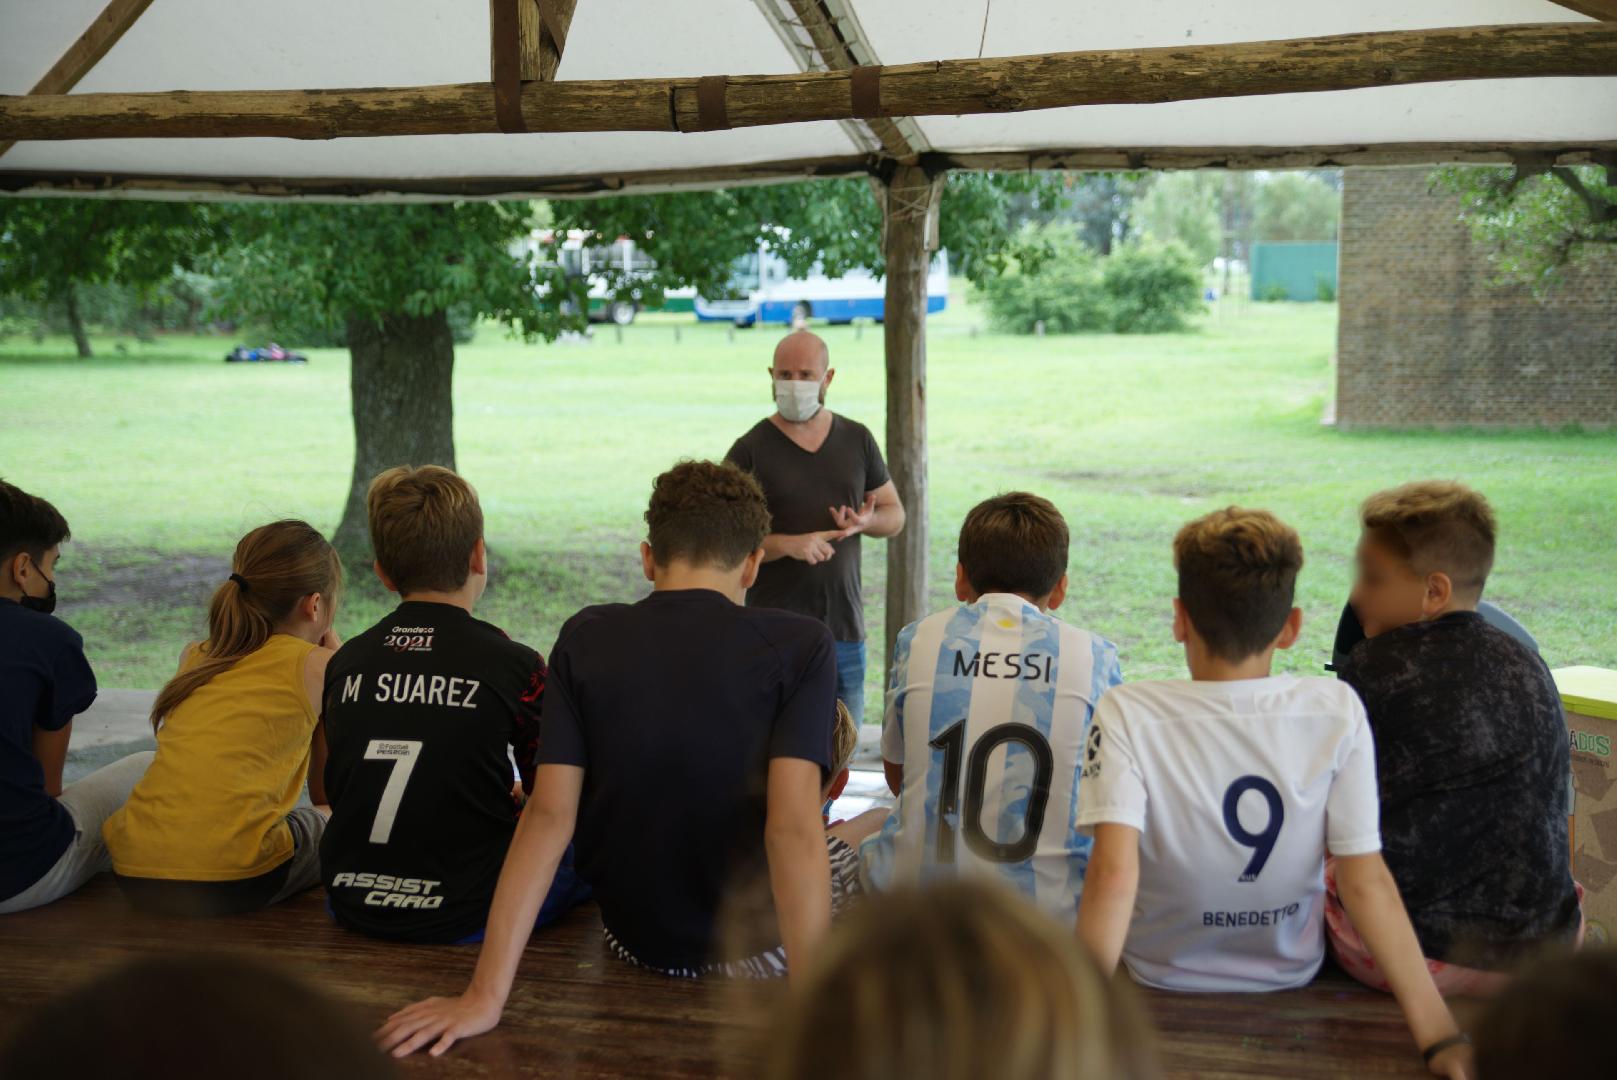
576,1011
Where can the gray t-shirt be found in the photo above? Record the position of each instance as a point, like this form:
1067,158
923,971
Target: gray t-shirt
802,488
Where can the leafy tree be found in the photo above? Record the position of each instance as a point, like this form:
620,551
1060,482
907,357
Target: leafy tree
1183,207
1296,207
387,277
696,236
50,249
1537,220
1100,205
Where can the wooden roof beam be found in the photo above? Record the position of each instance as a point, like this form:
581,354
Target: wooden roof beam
1604,10
948,87
116,18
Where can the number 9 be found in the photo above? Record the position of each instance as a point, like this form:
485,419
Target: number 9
1261,843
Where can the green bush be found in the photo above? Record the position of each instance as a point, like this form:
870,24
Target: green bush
1051,278
1152,289
1324,289
1274,291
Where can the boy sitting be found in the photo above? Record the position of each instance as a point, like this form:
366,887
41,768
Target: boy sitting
1213,801
686,743
986,716
1471,746
420,711
50,836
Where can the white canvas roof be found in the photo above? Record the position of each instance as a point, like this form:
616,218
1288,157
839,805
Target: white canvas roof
309,44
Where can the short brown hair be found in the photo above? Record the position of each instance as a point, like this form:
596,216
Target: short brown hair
707,513
1014,543
1436,526
424,524
844,739
1237,576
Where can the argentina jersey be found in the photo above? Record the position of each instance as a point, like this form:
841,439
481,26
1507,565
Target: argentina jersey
987,711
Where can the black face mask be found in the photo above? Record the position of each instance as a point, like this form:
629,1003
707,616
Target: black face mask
42,604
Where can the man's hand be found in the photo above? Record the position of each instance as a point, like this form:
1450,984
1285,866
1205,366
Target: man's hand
852,521
439,1021
815,547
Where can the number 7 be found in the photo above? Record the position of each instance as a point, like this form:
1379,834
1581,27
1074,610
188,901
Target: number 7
402,755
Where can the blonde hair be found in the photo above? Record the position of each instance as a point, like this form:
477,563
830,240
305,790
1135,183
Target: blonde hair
844,739
1237,578
424,524
274,567
1436,526
956,981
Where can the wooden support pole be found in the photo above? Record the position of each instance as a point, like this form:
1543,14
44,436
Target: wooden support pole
909,236
947,87
116,18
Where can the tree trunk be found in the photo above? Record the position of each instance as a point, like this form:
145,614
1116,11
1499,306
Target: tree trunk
75,322
909,235
401,374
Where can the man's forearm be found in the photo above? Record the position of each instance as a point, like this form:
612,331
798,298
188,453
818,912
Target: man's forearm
50,748
775,546
800,879
885,521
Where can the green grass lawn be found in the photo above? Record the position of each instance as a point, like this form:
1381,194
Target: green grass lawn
161,457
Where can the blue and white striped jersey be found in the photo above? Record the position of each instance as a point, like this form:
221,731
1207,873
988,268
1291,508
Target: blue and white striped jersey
987,711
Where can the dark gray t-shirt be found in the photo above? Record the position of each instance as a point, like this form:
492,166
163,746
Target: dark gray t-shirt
801,488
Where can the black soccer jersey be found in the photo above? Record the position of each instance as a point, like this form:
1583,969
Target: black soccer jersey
419,712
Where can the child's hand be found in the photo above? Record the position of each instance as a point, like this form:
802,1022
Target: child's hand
436,1023
1456,1063
330,640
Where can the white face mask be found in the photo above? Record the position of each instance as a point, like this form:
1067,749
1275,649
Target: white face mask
797,399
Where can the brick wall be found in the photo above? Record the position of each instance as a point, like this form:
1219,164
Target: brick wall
1425,339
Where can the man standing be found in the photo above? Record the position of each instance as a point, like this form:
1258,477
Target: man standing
826,484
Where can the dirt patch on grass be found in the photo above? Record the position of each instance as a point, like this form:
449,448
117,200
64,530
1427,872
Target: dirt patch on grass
1130,482
138,577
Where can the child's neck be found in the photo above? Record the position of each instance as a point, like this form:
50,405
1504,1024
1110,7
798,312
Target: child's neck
1039,602
1205,667
461,598
679,575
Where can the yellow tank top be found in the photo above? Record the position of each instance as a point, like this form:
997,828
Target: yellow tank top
230,765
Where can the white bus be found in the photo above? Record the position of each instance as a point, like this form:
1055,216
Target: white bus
764,292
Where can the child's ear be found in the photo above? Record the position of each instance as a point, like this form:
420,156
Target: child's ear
648,565
14,569
1292,630
479,563
962,587
381,575
1181,622
1439,591
749,568
1057,594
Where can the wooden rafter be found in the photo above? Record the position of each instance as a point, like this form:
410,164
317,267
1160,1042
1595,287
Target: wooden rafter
583,186
835,53
526,39
989,85
116,18
1605,10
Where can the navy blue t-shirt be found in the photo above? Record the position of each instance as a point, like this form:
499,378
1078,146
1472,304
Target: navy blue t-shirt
674,707
45,681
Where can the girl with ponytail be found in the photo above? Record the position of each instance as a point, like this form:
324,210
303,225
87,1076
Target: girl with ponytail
214,826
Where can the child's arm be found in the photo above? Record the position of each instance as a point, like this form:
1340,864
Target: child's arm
314,685
799,867
317,767
1110,884
543,832
50,747
1371,898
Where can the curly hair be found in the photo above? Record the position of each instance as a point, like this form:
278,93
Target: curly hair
706,513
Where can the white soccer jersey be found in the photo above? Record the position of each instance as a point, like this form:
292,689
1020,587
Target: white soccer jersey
1238,790
987,710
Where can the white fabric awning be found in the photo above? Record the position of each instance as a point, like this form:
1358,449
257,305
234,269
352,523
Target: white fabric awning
308,44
